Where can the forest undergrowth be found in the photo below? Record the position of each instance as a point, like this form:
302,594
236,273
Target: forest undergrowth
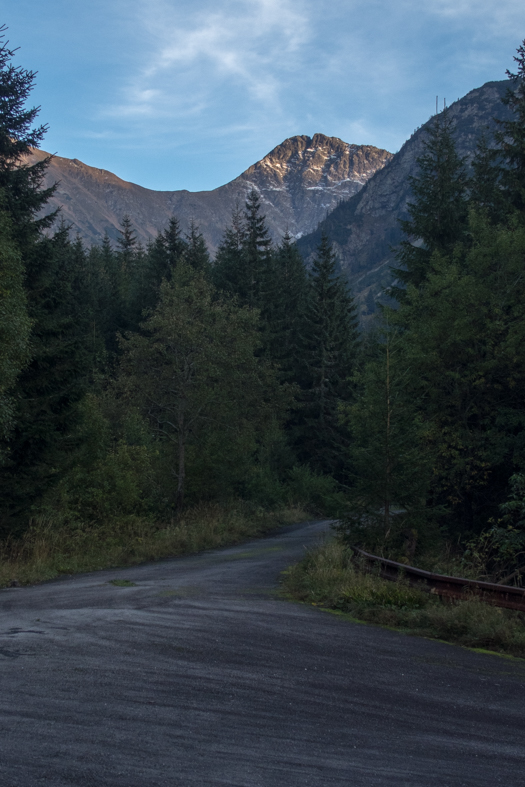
46,551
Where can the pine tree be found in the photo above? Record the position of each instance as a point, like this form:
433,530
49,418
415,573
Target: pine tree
229,270
51,385
14,325
257,252
284,309
244,263
196,254
438,214
174,244
129,277
485,184
126,243
164,254
20,183
330,339
389,462
510,137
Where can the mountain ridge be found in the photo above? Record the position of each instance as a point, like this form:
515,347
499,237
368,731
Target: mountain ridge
365,227
299,182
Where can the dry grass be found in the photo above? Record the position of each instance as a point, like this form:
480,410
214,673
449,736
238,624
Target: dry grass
326,577
47,551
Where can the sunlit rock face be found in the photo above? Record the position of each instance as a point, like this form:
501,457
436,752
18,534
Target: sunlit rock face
299,182
304,178
365,228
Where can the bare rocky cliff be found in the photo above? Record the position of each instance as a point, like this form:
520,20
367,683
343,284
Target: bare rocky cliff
300,182
365,227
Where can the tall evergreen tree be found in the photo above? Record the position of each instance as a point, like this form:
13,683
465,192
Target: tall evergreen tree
129,277
485,184
257,252
51,385
163,256
165,253
196,252
510,137
438,213
244,263
14,325
20,183
229,269
284,309
126,248
330,341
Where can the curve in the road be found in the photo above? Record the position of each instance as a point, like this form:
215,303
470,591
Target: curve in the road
199,675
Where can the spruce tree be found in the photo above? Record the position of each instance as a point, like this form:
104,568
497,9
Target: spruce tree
163,256
126,249
510,138
196,254
438,213
257,252
165,253
229,269
20,183
330,338
284,309
128,277
244,263
14,325
485,184
51,385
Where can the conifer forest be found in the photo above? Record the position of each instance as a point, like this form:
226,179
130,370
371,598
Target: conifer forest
137,383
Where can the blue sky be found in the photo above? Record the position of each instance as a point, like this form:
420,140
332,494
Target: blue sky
177,94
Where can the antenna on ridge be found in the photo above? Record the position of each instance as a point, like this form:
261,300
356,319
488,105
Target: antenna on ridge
444,103
436,105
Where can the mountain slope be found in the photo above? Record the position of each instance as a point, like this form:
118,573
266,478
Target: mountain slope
299,182
364,227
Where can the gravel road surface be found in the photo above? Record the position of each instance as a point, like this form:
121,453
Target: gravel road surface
199,675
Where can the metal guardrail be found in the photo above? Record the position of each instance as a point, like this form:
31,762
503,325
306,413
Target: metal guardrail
448,587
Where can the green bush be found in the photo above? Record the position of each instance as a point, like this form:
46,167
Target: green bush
319,493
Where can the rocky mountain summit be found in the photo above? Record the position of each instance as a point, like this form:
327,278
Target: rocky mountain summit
300,182
366,227
305,178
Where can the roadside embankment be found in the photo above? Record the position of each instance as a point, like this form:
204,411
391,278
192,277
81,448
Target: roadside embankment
327,577
46,551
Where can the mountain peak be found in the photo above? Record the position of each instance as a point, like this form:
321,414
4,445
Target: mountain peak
299,181
313,174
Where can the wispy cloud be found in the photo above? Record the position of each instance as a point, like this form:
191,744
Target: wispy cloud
247,47
231,80
499,16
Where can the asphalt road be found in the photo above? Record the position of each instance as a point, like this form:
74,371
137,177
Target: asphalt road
200,675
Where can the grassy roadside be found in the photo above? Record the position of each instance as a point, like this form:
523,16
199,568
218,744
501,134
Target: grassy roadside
326,578
47,551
